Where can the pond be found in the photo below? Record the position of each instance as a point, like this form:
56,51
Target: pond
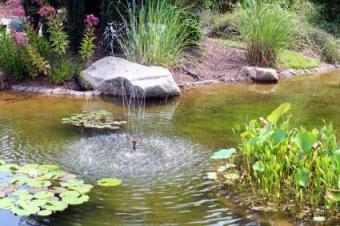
164,180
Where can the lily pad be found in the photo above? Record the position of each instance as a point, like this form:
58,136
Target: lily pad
109,182
224,154
95,120
40,189
212,176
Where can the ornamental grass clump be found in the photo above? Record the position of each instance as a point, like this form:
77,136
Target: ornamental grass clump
156,33
280,163
266,28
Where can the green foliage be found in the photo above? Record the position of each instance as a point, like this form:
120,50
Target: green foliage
87,46
266,29
40,190
62,72
58,37
95,120
35,64
10,57
38,42
295,60
282,164
157,32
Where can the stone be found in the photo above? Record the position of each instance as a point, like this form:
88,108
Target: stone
116,76
262,75
3,81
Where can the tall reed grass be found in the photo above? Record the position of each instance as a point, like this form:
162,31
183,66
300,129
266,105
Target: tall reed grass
266,28
156,33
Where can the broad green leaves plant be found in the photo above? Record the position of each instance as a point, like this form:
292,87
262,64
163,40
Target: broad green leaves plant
282,163
41,190
278,113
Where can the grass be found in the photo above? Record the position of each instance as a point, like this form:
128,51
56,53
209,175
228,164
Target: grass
295,60
265,28
157,33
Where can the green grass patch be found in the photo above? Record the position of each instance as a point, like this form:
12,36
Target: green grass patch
295,60
228,43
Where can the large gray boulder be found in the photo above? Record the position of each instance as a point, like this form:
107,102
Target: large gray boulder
116,76
262,75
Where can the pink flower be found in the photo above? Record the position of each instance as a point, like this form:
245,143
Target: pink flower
47,12
18,11
20,38
91,20
13,3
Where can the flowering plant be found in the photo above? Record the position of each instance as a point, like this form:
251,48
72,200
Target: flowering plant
87,44
47,11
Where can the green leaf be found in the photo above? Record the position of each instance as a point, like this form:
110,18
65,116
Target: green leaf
259,166
8,168
333,195
7,203
44,213
302,177
55,206
44,195
305,140
278,137
25,209
75,200
109,182
278,113
212,176
224,154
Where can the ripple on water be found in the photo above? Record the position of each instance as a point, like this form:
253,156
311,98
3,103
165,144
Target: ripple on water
111,155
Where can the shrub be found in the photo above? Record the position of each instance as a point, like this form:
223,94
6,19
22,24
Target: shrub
156,33
10,57
266,29
223,25
35,64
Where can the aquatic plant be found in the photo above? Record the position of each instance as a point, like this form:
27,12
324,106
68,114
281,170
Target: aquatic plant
41,190
282,164
95,120
109,182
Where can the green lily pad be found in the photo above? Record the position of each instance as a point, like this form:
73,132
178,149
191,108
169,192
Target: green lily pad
72,200
232,176
212,176
44,195
55,206
7,203
44,213
109,182
224,154
25,209
8,168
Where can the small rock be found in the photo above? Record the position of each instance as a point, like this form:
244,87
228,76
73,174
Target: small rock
262,75
286,74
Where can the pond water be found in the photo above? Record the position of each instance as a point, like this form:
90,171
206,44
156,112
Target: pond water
164,181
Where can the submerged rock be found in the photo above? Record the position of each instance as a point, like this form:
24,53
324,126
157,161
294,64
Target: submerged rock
116,76
264,75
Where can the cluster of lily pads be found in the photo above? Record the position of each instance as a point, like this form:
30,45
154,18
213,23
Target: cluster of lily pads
95,120
42,190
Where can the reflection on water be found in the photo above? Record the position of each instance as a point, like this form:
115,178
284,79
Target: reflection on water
165,183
